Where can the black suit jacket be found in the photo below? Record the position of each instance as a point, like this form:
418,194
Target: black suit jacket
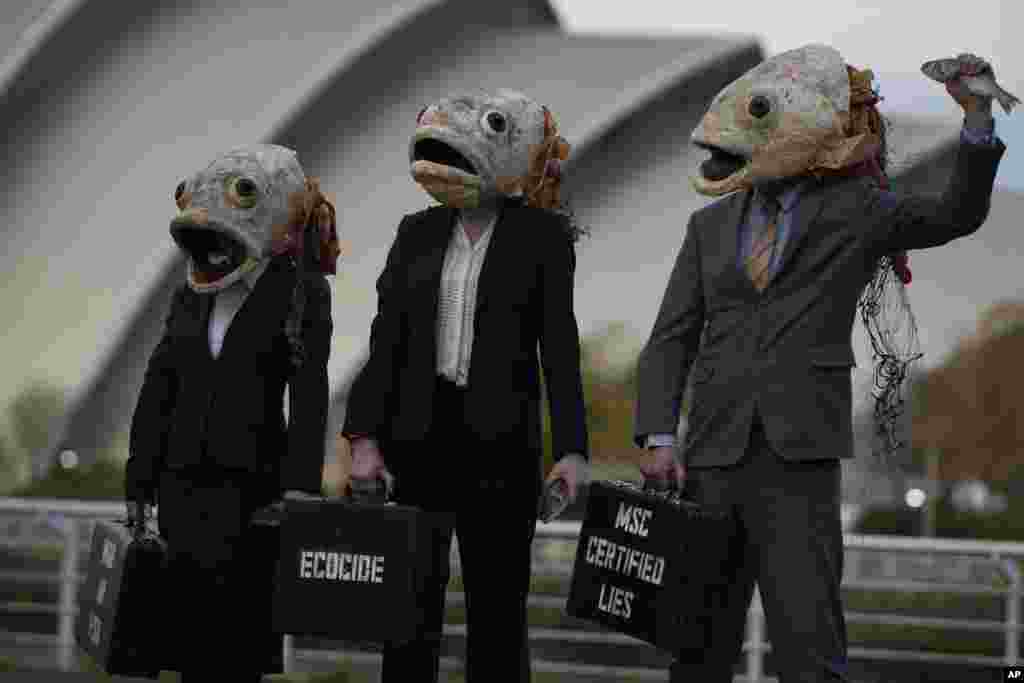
785,352
524,299
229,411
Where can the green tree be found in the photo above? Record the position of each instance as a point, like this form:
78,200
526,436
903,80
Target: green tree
608,368
13,467
101,480
34,413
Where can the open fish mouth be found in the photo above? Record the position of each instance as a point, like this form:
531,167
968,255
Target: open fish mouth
438,152
721,163
214,252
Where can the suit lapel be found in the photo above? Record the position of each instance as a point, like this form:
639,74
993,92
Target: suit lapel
484,284
203,335
260,304
426,263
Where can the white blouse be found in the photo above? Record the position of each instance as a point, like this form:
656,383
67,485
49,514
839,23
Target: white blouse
457,302
227,303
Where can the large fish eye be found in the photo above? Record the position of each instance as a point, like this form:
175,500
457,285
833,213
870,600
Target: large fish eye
180,190
245,188
759,106
495,121
244,191
419,117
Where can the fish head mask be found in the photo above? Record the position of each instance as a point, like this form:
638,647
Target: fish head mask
247,205
474,149
788,116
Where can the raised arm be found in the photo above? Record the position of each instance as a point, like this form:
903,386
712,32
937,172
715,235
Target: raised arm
919,222
907,222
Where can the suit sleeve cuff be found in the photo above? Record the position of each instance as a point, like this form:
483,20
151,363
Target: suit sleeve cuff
660,440
580,458
978,129
352,437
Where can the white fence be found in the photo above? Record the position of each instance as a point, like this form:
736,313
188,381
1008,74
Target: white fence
877,563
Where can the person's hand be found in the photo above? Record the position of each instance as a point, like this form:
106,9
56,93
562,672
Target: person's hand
368,463
960,91
270,515
574,470
138,513
664,470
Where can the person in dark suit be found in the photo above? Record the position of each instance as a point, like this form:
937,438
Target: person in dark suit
758,315
447,406
209,440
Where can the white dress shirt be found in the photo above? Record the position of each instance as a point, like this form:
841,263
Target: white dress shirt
227,304
456,308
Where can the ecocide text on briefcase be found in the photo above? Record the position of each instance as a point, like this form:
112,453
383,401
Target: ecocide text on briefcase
334,566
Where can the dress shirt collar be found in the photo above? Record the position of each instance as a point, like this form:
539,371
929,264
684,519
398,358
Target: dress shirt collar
463,238
788,194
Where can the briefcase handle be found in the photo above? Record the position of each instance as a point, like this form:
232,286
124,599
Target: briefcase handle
142,532
664,490
658,485
672,494
139,526
374,492
370,491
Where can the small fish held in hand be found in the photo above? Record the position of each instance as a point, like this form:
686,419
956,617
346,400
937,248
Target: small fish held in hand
975,73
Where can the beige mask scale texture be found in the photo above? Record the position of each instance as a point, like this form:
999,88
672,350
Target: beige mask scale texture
247,205
788,116
472,149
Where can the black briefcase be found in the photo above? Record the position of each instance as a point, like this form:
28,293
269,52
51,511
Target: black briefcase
116,621
650,565
351,571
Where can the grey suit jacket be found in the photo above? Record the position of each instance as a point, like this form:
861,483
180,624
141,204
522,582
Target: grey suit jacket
785,353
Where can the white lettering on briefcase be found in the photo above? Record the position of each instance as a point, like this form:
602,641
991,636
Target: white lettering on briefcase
627,561
109,554
101,591
616,601
95,629
333,566
633,519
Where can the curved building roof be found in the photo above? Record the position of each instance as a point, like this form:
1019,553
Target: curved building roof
106,116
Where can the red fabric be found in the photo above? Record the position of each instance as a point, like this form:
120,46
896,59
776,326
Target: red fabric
321,215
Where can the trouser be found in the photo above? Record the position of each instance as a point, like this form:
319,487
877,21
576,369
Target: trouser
220,574
487,495
790,543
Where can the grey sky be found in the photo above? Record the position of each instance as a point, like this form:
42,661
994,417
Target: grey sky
891,38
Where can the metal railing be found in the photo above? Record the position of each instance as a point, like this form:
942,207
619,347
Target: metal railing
923,565
995,561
